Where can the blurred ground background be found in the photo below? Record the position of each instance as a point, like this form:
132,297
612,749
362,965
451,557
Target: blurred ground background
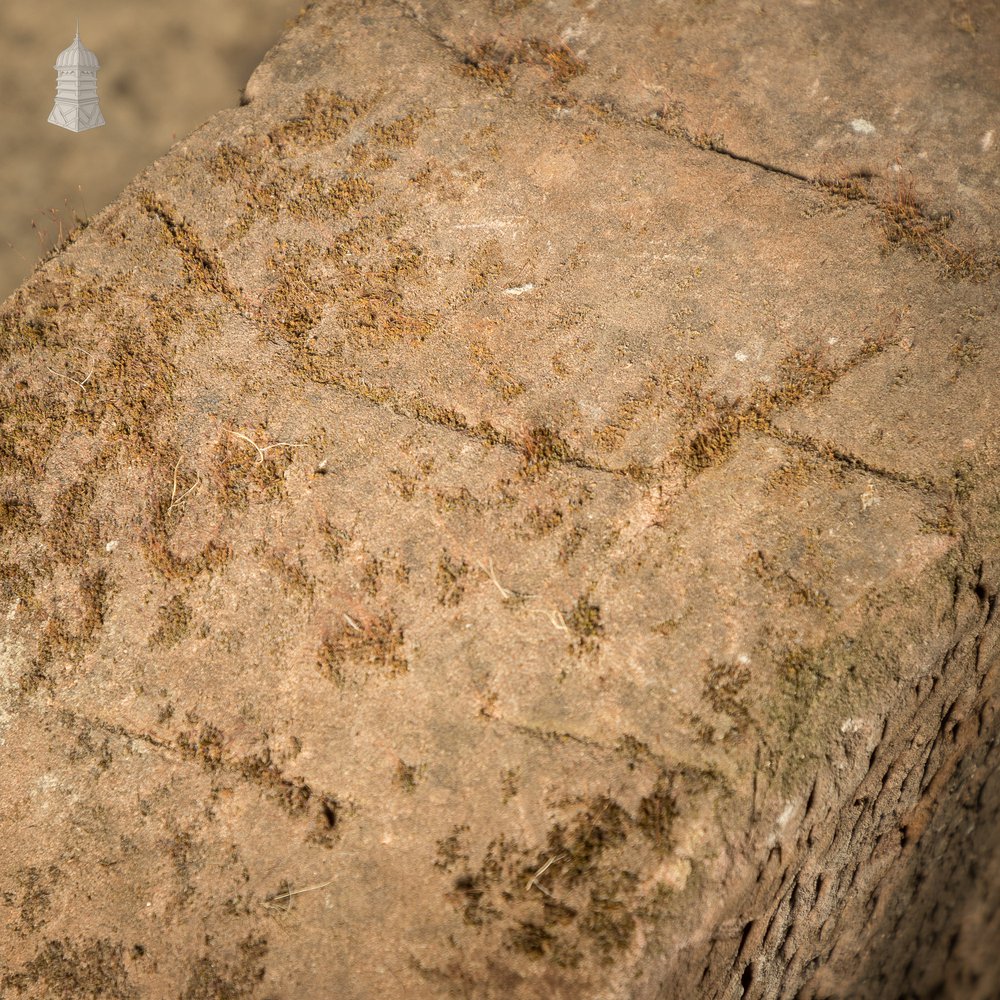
164,69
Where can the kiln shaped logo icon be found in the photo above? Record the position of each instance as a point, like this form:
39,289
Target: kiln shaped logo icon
76,106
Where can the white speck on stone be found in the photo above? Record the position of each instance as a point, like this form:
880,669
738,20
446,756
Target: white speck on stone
44,784
986,142
111,546
518,290
740,356
869,498
488,224
862,126
786,815
850,726
743,658
832,341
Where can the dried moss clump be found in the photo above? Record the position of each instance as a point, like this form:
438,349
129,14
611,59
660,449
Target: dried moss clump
175,622
15,582
450,577
376,643
714,425
65,638
18,516
267,188
723,690
905,221
70,531
239,978
134,382
492,61
542,448
325,116
202,269
30,425
239,476
584,621
655,816
94,968
206,748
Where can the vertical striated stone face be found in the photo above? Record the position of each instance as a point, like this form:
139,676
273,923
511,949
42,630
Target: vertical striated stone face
468,528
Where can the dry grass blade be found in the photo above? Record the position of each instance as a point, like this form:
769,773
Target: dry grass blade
282,899
490,572
175,500
262,451
82,383
556,619
541,871
505,592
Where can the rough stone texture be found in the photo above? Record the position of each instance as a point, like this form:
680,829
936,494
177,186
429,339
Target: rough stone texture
471,529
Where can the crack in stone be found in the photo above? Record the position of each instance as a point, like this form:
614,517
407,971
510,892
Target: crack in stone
256,771
549,736
769,167
68,717
828,451
608,109
202,267
422,412
203,264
